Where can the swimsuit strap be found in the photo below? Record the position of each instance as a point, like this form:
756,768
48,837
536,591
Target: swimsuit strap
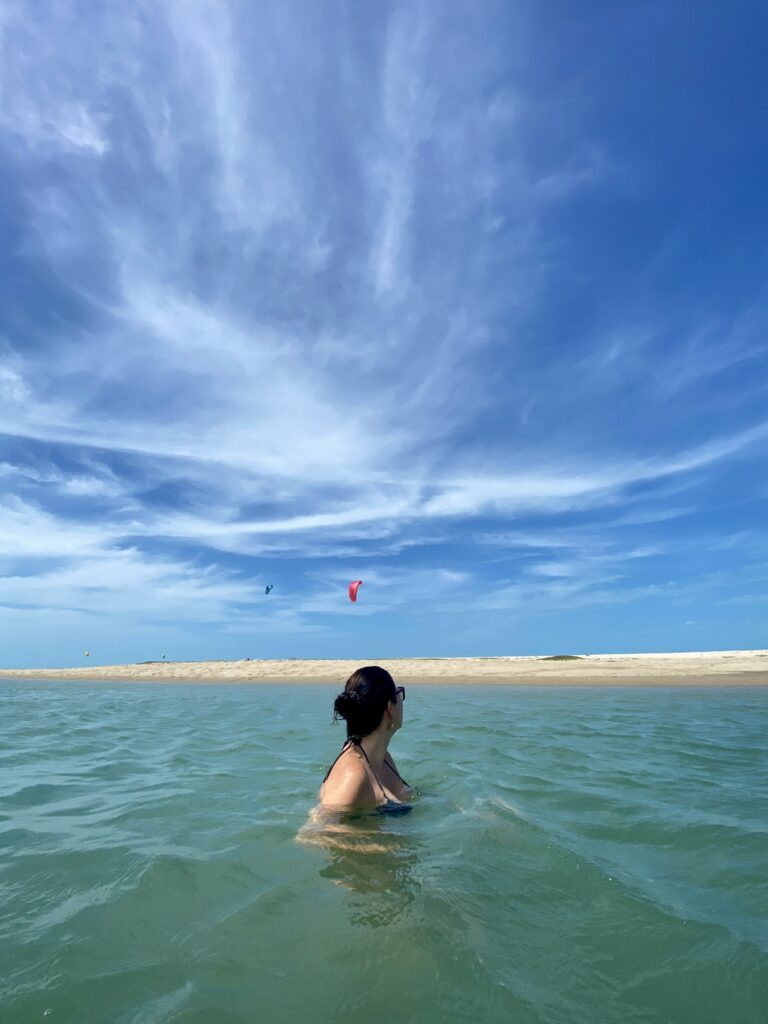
358,744
354,741
347,744
391,764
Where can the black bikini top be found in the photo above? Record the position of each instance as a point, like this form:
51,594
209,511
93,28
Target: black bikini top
354,741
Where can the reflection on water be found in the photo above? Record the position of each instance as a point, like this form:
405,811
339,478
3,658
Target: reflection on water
366,856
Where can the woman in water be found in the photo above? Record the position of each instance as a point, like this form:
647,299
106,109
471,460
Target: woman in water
364,774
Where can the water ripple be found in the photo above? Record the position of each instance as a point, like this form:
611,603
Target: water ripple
573,855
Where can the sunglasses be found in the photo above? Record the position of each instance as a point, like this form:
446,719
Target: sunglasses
400,692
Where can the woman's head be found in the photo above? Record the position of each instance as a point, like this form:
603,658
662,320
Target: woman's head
369,697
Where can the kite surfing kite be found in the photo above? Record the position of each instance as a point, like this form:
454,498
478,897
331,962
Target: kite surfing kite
268,588
354,586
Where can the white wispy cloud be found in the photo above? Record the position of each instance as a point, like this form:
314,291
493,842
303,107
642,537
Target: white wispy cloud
287,304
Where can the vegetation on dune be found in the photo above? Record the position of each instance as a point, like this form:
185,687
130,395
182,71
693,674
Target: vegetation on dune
563,657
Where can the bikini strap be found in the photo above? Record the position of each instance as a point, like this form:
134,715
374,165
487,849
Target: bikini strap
373,773
354,741
350,741
391,764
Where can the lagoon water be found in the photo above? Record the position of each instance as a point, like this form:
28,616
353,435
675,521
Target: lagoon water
575,855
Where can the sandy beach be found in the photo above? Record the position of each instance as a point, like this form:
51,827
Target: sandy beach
695,668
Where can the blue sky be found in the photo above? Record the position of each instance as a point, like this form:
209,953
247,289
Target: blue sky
465,300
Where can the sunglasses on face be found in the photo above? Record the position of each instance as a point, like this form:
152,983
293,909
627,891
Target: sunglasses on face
400,692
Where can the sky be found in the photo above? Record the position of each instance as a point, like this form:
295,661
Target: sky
467,301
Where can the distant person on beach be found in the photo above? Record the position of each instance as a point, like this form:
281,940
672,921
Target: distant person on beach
364,775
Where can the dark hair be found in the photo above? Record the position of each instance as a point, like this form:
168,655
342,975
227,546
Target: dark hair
364,699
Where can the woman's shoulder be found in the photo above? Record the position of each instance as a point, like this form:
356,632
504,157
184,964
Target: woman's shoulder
348,784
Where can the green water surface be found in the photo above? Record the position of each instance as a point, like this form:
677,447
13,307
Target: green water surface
575,855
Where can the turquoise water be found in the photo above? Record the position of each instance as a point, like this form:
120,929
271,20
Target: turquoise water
576,855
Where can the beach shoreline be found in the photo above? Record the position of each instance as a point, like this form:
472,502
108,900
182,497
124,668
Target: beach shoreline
693,668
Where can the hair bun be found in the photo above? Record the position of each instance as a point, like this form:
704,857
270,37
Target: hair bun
347,699
345,702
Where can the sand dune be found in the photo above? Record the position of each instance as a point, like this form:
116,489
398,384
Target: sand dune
716,668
